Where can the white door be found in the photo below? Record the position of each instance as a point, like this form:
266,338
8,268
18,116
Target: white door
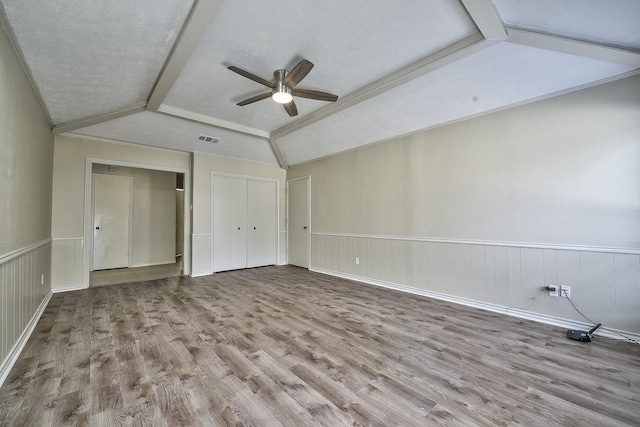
298,230
229,223
111,208
262,226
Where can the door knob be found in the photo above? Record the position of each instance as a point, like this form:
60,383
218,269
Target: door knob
238,228
305,227
254,228
97,228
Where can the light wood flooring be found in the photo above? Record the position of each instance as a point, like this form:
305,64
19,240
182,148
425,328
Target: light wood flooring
282,346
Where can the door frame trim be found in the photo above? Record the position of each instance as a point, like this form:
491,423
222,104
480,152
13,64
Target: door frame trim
289,181
130,219
88,220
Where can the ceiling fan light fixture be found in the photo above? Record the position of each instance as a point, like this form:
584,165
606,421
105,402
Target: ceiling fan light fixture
281,93
282,97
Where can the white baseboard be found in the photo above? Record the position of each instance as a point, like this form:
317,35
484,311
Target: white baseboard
509,311
151,264
201,273
68,288
13,355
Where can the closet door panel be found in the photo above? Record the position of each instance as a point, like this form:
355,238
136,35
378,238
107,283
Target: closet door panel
262,223
229,223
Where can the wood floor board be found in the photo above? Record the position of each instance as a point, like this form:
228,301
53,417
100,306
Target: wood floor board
283,346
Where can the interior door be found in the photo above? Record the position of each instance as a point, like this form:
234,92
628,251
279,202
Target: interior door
298,231
229,223
262,225
111,211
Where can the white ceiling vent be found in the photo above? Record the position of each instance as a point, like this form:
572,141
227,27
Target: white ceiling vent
207,138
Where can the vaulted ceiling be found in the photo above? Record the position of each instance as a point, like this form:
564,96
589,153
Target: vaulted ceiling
154,72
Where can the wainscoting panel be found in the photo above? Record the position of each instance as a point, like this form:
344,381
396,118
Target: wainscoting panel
25,283
201,255
604,285
67,262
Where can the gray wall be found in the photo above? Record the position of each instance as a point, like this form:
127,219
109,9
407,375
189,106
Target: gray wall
492,209
26,164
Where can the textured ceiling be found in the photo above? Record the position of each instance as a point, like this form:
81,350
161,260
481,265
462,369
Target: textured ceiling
398,67
91,58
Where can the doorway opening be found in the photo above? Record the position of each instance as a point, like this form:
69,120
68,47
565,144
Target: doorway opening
155,223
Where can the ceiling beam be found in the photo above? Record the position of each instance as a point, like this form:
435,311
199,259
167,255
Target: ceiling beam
486,17
448,55
201,16
573,47
201,118
71,126
278,153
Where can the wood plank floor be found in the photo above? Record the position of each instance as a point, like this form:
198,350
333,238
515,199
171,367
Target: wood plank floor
282,346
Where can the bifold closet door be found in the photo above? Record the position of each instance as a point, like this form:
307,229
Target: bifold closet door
261,223
229,223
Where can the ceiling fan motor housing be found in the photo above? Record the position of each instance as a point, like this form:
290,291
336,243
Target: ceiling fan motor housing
281,93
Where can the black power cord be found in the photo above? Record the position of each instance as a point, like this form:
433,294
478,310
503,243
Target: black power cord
581,314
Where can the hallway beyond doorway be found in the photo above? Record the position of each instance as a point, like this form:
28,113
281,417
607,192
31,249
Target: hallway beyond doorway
135,274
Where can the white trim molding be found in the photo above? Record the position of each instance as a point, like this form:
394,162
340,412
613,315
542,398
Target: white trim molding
69,288
13,355
601,249
19,252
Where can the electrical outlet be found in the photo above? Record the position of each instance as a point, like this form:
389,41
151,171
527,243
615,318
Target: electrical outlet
553,290
565,291
357,260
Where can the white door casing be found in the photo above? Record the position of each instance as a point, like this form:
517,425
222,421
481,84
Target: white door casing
111,221
299,222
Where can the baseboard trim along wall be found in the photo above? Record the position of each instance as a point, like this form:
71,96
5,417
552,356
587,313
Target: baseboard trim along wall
509,311
69,288
13,355
603,282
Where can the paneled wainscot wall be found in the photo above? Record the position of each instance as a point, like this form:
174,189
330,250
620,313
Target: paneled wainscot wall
503,277
25,290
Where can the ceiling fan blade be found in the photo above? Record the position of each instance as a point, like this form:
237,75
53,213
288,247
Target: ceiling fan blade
291,108
254,99
298,73
252,76
314,94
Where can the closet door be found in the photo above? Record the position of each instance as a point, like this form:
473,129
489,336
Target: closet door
262,225
229,223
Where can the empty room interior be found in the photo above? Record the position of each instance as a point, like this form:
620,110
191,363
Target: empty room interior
300,213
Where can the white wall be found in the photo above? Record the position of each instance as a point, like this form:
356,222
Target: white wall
154,214
492,209
203,166
26,163
68,211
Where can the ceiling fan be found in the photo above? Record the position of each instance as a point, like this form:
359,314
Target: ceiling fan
283,89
